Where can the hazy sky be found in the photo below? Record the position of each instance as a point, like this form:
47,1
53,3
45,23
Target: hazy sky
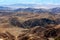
8,2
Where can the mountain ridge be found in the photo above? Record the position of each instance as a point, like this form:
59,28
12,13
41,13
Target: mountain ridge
31,8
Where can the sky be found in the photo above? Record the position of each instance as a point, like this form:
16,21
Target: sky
42,2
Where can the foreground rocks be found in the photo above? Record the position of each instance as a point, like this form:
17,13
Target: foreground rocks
38,29
7,36
39,33
36,33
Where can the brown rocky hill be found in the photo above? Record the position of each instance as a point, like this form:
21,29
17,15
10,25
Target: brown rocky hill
29,26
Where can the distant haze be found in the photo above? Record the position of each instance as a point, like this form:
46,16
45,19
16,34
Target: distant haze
42,2
32,6
30,3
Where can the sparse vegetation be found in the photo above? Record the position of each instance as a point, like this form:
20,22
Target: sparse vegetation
57,38
50,33
15,22
30,26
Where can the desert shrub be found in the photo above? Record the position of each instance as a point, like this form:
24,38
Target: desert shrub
44,22
58,21
32,22
15,22
39,22
57,38
50,33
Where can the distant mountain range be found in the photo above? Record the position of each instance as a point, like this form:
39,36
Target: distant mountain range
31,10
5,9
40,10
55,10
34,8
